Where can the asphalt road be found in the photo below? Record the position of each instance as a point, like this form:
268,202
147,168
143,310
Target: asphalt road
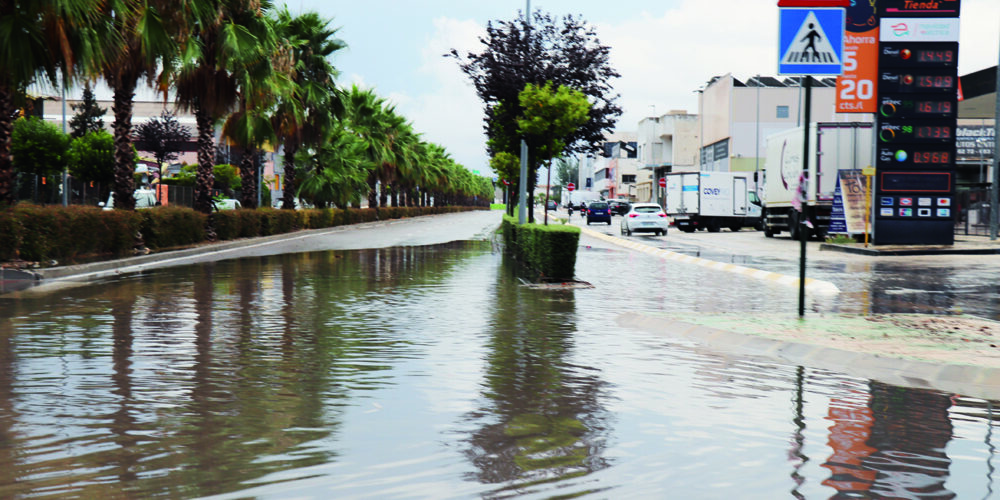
933,284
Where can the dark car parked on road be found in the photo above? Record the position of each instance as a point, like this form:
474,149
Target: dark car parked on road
619,207
598,211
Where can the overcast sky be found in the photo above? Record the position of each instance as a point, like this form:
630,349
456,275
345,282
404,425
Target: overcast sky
664,49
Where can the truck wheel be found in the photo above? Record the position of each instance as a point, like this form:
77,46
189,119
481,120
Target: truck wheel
713,226
768,232
736,226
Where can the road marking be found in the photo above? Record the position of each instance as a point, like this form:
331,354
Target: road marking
813,285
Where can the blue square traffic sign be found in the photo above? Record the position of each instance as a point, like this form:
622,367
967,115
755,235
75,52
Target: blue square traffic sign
810,41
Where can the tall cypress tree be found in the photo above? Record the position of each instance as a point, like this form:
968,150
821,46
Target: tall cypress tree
88,117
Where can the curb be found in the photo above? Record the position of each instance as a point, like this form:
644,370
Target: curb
908,251
96,270
813,285
975,381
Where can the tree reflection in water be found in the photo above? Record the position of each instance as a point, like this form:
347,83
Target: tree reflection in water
542,420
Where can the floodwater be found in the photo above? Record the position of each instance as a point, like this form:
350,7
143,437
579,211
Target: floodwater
431,372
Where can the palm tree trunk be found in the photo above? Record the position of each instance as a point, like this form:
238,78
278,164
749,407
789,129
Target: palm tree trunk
383,194
288,196
124,156
206,160
248,179
372,192
7,187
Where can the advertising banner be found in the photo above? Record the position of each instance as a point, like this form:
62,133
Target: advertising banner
848,216
856,89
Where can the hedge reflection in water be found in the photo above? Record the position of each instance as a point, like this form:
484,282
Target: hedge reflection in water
254,377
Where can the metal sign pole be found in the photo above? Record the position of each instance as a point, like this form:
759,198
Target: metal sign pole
995,188
804,217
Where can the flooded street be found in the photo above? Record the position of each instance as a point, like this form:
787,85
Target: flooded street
429,371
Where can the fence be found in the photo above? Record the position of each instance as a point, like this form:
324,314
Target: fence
972,217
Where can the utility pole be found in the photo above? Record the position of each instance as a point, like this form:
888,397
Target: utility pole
522,202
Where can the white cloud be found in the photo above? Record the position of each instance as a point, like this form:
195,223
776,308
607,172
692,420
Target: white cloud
663,59
451,113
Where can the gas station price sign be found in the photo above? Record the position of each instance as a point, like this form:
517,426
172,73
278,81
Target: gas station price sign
916,122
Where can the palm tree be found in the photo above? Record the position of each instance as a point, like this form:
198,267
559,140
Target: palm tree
57,40
306,115
367,121
147,41
258,84
205,82
340,173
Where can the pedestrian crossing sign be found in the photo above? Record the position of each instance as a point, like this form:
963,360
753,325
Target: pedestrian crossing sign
811,41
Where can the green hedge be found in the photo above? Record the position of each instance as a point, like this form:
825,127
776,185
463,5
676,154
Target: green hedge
68,234
167,227
549,250
37,233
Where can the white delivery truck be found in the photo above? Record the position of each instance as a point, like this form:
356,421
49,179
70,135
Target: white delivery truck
712,200
832,147
577,197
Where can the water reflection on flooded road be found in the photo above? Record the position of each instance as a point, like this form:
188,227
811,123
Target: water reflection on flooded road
428,372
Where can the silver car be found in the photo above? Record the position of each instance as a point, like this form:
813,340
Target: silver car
645,218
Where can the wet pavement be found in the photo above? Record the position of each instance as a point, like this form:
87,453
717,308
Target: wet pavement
318,367
886,284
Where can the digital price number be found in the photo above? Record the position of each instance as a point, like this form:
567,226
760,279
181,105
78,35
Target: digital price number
943,108
892,132
937,55
906,157
932,132
916,108
931,157
930,81
917,83
933,56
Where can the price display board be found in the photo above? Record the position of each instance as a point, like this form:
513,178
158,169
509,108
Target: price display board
916,122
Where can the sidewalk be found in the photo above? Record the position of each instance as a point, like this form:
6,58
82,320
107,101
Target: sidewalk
964,245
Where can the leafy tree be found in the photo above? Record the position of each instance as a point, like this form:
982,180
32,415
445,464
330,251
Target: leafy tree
225,176
550,117
39,148
163,136
567,170
92,158
565,52
55,40
88,117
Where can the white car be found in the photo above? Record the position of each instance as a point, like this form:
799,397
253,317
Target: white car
644,218
226,204
144,198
